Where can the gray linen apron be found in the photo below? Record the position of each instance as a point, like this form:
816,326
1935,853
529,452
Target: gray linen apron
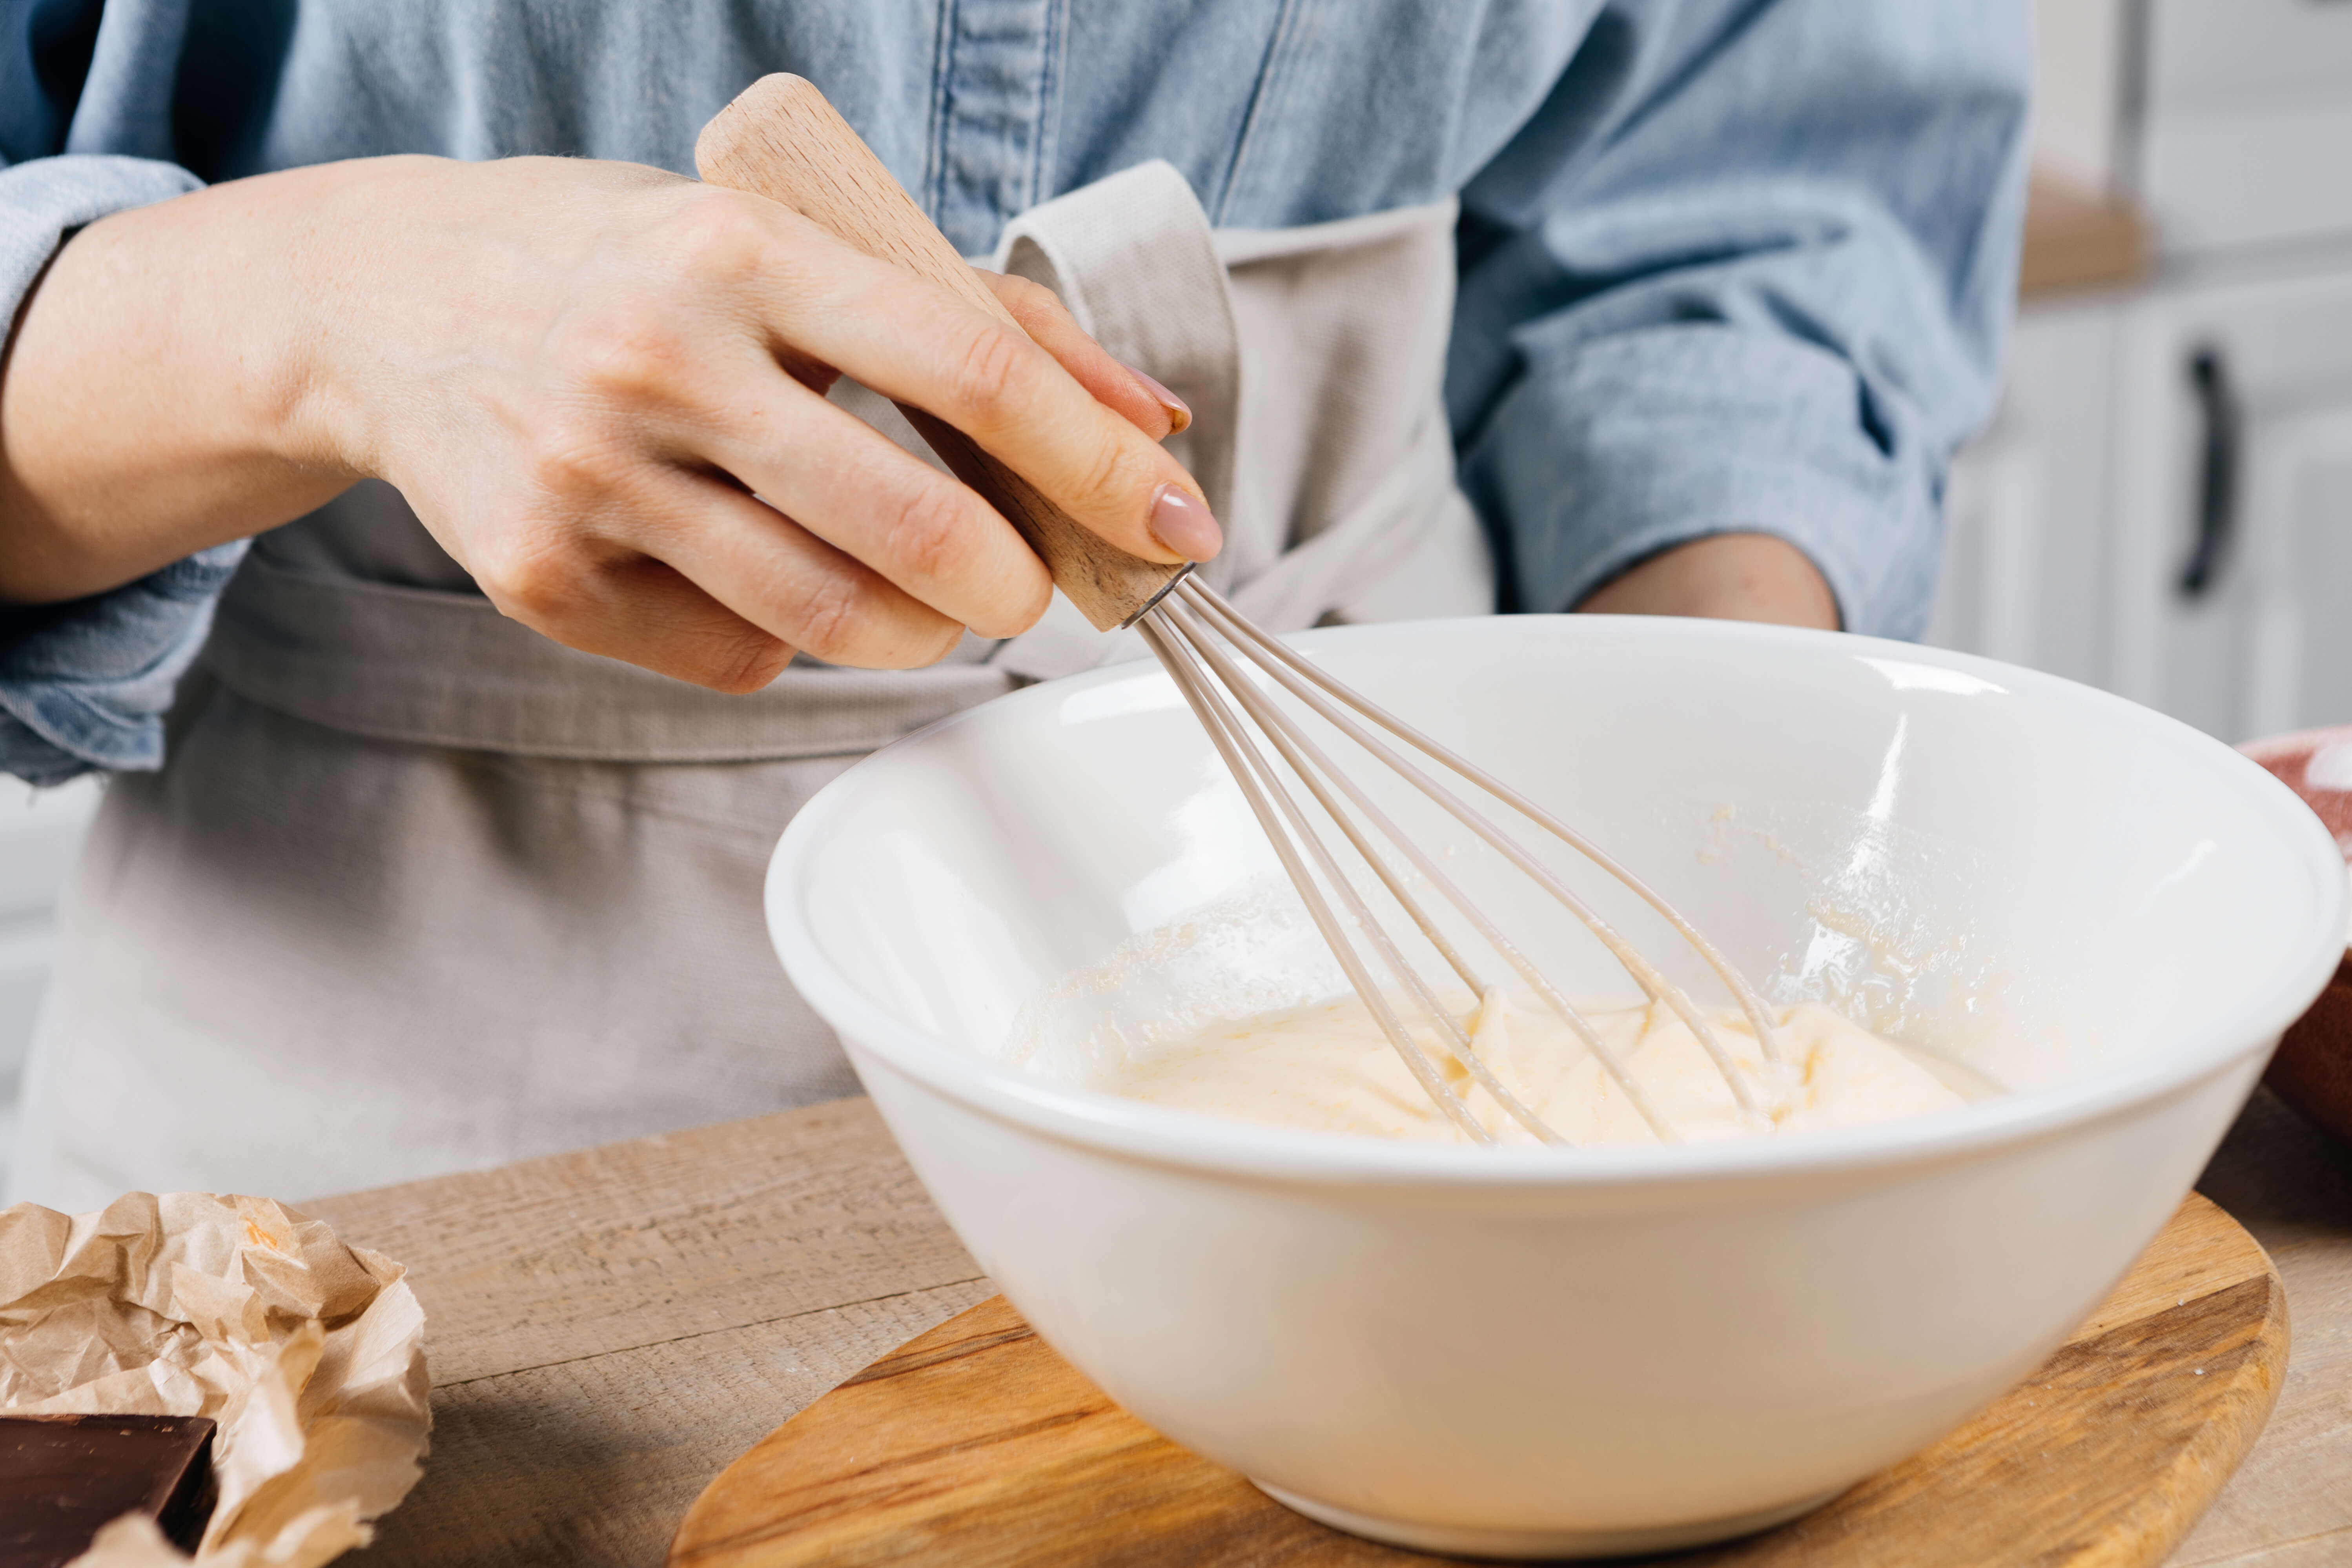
419,891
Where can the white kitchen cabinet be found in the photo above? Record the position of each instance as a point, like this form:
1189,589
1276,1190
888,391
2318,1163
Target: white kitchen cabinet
2237,128
2260,457
2217,402
2028,546
2208,410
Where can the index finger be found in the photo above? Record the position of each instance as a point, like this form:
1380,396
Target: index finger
918,342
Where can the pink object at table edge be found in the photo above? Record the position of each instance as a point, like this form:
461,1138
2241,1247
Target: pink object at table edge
2312,1070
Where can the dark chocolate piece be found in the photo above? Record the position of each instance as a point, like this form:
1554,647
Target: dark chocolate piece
65,1477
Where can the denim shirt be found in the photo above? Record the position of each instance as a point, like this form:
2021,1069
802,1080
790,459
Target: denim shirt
1724,263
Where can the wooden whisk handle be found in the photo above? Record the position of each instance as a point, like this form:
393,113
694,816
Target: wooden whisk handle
782,141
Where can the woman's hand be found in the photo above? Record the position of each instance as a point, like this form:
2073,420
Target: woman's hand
600,387
1727,576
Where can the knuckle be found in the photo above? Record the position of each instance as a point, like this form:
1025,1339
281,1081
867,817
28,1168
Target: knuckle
987,371
626,356
1106,473
929,532
831,619
532,580
715,232
748,662
573,457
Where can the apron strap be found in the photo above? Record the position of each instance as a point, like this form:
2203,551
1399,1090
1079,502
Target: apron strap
1133,257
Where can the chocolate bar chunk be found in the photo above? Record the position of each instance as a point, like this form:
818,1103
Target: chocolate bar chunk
65,1477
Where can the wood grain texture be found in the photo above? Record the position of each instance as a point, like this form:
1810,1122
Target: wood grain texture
2333,1550
2290,1502
781,140
633,1244
592,1461
609,1329
606,1330
975,1444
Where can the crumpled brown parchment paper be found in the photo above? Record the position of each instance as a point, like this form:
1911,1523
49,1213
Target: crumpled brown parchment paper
308,1353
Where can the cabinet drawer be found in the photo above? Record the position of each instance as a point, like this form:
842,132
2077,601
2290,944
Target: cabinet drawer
2246,467
2245,118
2204,54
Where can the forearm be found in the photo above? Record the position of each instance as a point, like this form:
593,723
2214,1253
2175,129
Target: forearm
157,394
1724,576
1755,281
598,385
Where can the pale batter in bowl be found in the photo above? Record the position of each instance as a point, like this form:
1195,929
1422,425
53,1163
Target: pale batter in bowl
1329,1068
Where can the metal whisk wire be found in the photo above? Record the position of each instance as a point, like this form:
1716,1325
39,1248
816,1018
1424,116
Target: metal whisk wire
1197,635
781,139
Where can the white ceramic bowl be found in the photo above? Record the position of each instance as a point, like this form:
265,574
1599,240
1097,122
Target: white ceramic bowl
1542,1353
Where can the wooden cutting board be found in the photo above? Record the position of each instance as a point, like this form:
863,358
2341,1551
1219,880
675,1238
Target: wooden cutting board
975,1444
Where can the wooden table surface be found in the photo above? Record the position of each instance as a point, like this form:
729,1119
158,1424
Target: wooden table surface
608,1328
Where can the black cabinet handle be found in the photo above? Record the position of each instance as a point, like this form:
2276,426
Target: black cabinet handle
2217,478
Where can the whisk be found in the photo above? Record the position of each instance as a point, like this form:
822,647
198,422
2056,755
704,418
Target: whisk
781,140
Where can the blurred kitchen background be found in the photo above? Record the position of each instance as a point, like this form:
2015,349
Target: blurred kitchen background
2162,505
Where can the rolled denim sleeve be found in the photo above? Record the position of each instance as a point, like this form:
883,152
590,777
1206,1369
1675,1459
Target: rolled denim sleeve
85,685
1749,269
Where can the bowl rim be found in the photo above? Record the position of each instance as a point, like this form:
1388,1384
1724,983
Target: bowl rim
1137,1130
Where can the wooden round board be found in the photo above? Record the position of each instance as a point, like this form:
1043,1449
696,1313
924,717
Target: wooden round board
975,1444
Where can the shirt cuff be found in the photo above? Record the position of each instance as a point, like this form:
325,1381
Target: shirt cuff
86,684
1647,439
47,199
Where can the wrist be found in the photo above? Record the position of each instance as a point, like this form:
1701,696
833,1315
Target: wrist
322,241
161,392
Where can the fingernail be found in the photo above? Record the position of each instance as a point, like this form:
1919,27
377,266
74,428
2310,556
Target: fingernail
1180,416
1183,524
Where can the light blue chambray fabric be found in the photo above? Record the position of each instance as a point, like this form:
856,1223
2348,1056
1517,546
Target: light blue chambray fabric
1725,264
